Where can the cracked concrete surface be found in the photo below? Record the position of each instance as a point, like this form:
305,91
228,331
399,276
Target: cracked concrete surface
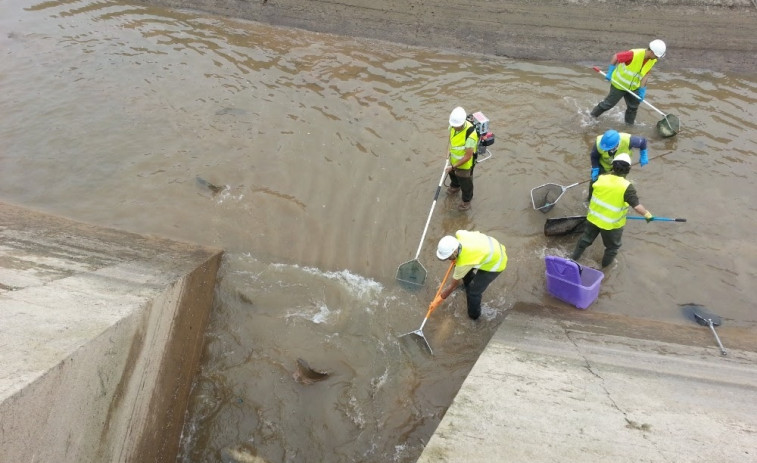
554,385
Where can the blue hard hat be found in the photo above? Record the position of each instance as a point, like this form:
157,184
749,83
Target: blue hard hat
610,140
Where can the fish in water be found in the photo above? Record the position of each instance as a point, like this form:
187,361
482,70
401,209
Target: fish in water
244,297
231,111
306,375
214,189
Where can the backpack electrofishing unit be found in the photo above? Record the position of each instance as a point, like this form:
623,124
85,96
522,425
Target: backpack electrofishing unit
485,137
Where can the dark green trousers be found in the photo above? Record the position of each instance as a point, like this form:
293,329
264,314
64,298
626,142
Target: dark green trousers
462,179
476,282
612,98
610,238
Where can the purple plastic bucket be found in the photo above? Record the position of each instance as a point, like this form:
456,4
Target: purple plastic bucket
572,283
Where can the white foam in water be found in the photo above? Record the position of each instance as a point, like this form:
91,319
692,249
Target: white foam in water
400,452
225,194
322,315
541,253
360,288
490,313
357,285
378,382
583,112
355,413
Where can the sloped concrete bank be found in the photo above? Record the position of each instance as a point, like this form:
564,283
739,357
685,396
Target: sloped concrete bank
101,333
560,384
701,34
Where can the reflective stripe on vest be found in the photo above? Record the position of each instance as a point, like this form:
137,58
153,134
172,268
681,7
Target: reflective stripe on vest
607,208
457,145
605,160
630,76
481,251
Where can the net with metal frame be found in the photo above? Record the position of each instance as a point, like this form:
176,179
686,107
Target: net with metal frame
411,273
564,225
544,197
669,126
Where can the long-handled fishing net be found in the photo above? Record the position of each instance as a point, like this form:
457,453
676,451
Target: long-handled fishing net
668,126
431,308
705,318
412,273
544,197
560,226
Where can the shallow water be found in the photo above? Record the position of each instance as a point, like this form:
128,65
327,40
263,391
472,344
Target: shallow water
328,151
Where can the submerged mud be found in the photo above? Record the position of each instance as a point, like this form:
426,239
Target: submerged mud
701,34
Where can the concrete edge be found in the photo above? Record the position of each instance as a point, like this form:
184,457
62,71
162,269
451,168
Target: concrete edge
99,341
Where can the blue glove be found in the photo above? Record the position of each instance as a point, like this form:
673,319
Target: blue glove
643,159
594,174
642,93
610,69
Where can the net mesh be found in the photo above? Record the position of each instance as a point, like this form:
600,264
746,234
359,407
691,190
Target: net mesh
412,273
700,314
564,226
669,126
544,197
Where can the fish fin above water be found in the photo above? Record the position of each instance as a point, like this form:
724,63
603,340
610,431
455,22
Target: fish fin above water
213,188
306,375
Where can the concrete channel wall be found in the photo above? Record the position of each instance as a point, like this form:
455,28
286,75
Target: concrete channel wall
556,384
101,333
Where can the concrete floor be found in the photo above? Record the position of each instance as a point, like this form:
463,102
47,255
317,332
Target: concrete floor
556,388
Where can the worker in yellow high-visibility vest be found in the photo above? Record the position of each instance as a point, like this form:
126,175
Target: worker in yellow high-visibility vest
463,143
479,259
611,144
608,207
629,71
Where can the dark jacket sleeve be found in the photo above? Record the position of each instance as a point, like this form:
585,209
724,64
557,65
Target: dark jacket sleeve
630,196
638,142
594,156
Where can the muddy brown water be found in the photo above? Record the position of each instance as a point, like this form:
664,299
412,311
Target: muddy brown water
326,152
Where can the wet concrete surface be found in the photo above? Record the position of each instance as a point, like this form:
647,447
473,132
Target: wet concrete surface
100,339
554,386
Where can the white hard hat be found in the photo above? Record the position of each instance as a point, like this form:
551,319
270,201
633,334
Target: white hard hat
457,117
447,246
622,157
657,47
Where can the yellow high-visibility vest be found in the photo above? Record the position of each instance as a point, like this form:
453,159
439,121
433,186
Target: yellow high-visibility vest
607,208
630,76
480,251
605,160
457,145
